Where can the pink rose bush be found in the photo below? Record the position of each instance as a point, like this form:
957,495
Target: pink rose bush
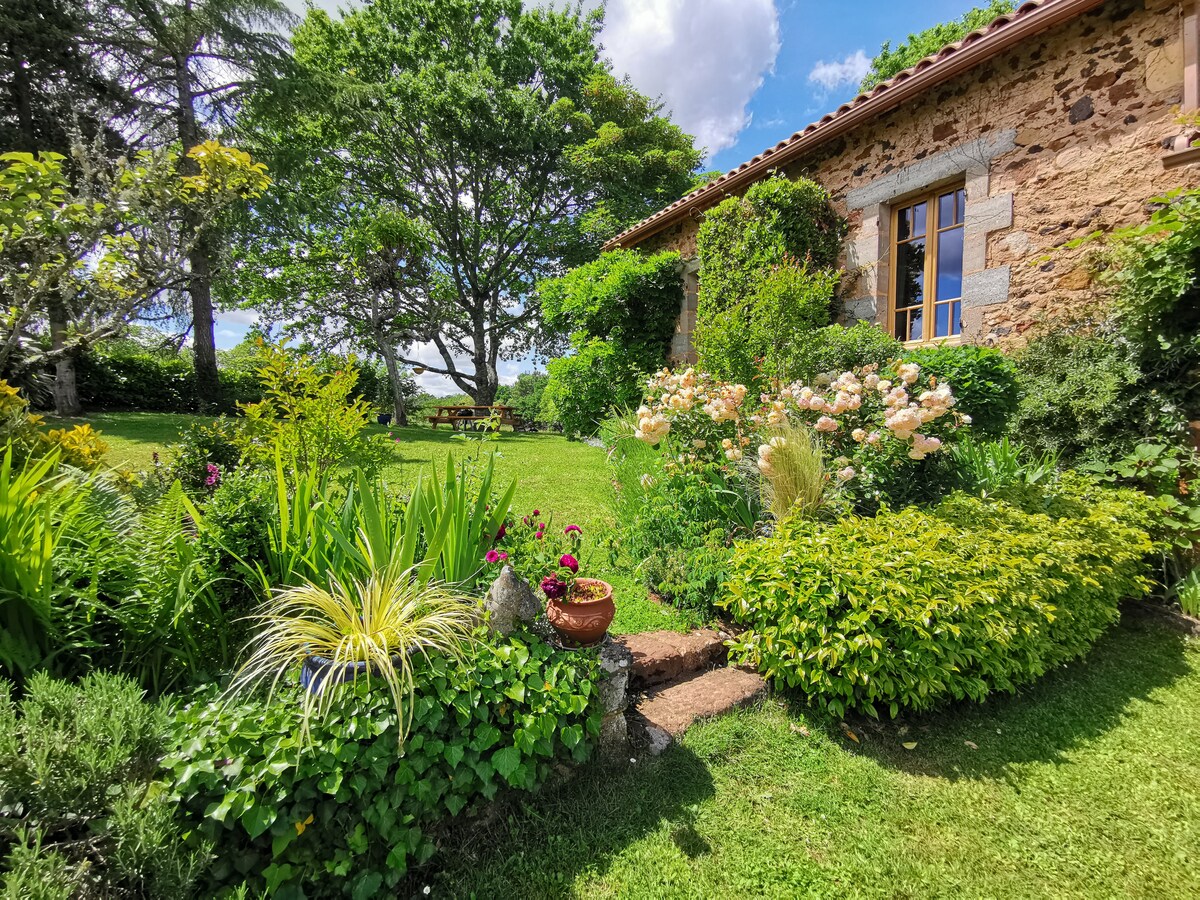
869,421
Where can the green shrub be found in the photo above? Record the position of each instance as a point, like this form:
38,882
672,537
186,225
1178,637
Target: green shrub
1083,396
620,312
525,395
836,348
585,387
767,275
986,467
201,445
984,382
347,814
914,608
75,761
760,334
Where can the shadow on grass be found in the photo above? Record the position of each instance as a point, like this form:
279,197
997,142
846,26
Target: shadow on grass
1064,710
535,846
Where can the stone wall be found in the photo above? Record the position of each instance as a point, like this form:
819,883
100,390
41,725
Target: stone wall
1054,140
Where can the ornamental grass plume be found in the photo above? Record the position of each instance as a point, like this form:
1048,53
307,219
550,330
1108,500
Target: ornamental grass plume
794,479
382,620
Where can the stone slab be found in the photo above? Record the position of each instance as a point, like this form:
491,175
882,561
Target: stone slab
661,656
674,707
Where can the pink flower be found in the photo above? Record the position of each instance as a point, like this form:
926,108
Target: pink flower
539,535
495,556
553,588
569,562
572,529
536,513
214,476
826,424
502,532
541,526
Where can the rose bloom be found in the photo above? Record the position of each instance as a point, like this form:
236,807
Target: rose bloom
846,474
567,561
858,435
553,588
826,424
733,454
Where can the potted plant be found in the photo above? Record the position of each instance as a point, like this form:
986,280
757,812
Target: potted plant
580,609
371,627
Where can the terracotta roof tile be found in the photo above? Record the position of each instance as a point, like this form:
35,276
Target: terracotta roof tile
982,44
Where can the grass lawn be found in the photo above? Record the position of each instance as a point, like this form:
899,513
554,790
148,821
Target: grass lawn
1086,785
554,475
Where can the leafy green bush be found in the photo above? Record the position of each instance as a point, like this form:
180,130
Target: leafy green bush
583,388
75,761
1084,397
836,348
767,276
990,466
620,312
984,382
914,608
525,395
347,814
202,446
760,334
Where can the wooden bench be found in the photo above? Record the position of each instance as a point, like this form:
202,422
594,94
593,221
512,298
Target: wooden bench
478,415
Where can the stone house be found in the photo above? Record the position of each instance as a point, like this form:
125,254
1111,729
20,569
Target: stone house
963,177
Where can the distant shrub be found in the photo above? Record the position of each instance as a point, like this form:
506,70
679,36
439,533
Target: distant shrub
525,395
205,453
984,382
913,608
347,814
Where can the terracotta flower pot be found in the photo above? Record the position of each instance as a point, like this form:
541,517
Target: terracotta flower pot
584,619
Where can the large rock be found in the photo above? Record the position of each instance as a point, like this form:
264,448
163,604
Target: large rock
510,601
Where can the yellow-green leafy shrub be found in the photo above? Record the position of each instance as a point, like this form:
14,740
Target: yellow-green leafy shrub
909,609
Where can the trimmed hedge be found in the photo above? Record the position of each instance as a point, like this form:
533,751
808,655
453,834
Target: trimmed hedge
913,608
349,813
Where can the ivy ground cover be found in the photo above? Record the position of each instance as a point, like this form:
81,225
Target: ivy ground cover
566,478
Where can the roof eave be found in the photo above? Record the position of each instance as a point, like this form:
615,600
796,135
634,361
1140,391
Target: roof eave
900,91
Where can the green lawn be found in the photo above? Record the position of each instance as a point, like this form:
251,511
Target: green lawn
554,475
1087,785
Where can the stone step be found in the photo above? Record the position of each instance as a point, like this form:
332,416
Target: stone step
662,656
666,712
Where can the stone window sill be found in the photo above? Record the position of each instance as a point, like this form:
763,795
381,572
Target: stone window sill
1175,158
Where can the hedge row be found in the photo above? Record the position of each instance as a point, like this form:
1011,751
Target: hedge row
912,608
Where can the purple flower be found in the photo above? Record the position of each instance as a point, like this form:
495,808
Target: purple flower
539,535
573,529
525,520
541,526
214,476
553,588
536,513
495,556
567,561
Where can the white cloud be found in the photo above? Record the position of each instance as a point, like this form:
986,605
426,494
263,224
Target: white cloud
833,75
705,58
244,317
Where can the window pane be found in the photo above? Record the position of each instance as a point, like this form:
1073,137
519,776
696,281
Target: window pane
941,320
904,224
910,274
915,332
945,210
960,203
918,219
956,318
949,264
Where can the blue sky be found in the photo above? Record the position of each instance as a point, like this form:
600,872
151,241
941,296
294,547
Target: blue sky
739,74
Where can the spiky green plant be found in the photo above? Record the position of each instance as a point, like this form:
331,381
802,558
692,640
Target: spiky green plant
794,480
382,620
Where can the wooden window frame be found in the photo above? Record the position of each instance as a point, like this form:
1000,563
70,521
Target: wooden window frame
929,197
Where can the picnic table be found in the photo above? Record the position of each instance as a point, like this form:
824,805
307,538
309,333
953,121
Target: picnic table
468,416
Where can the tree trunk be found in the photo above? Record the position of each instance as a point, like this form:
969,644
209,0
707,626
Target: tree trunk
399,412
204,343
66,393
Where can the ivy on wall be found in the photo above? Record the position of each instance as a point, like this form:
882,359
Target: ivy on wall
767,276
